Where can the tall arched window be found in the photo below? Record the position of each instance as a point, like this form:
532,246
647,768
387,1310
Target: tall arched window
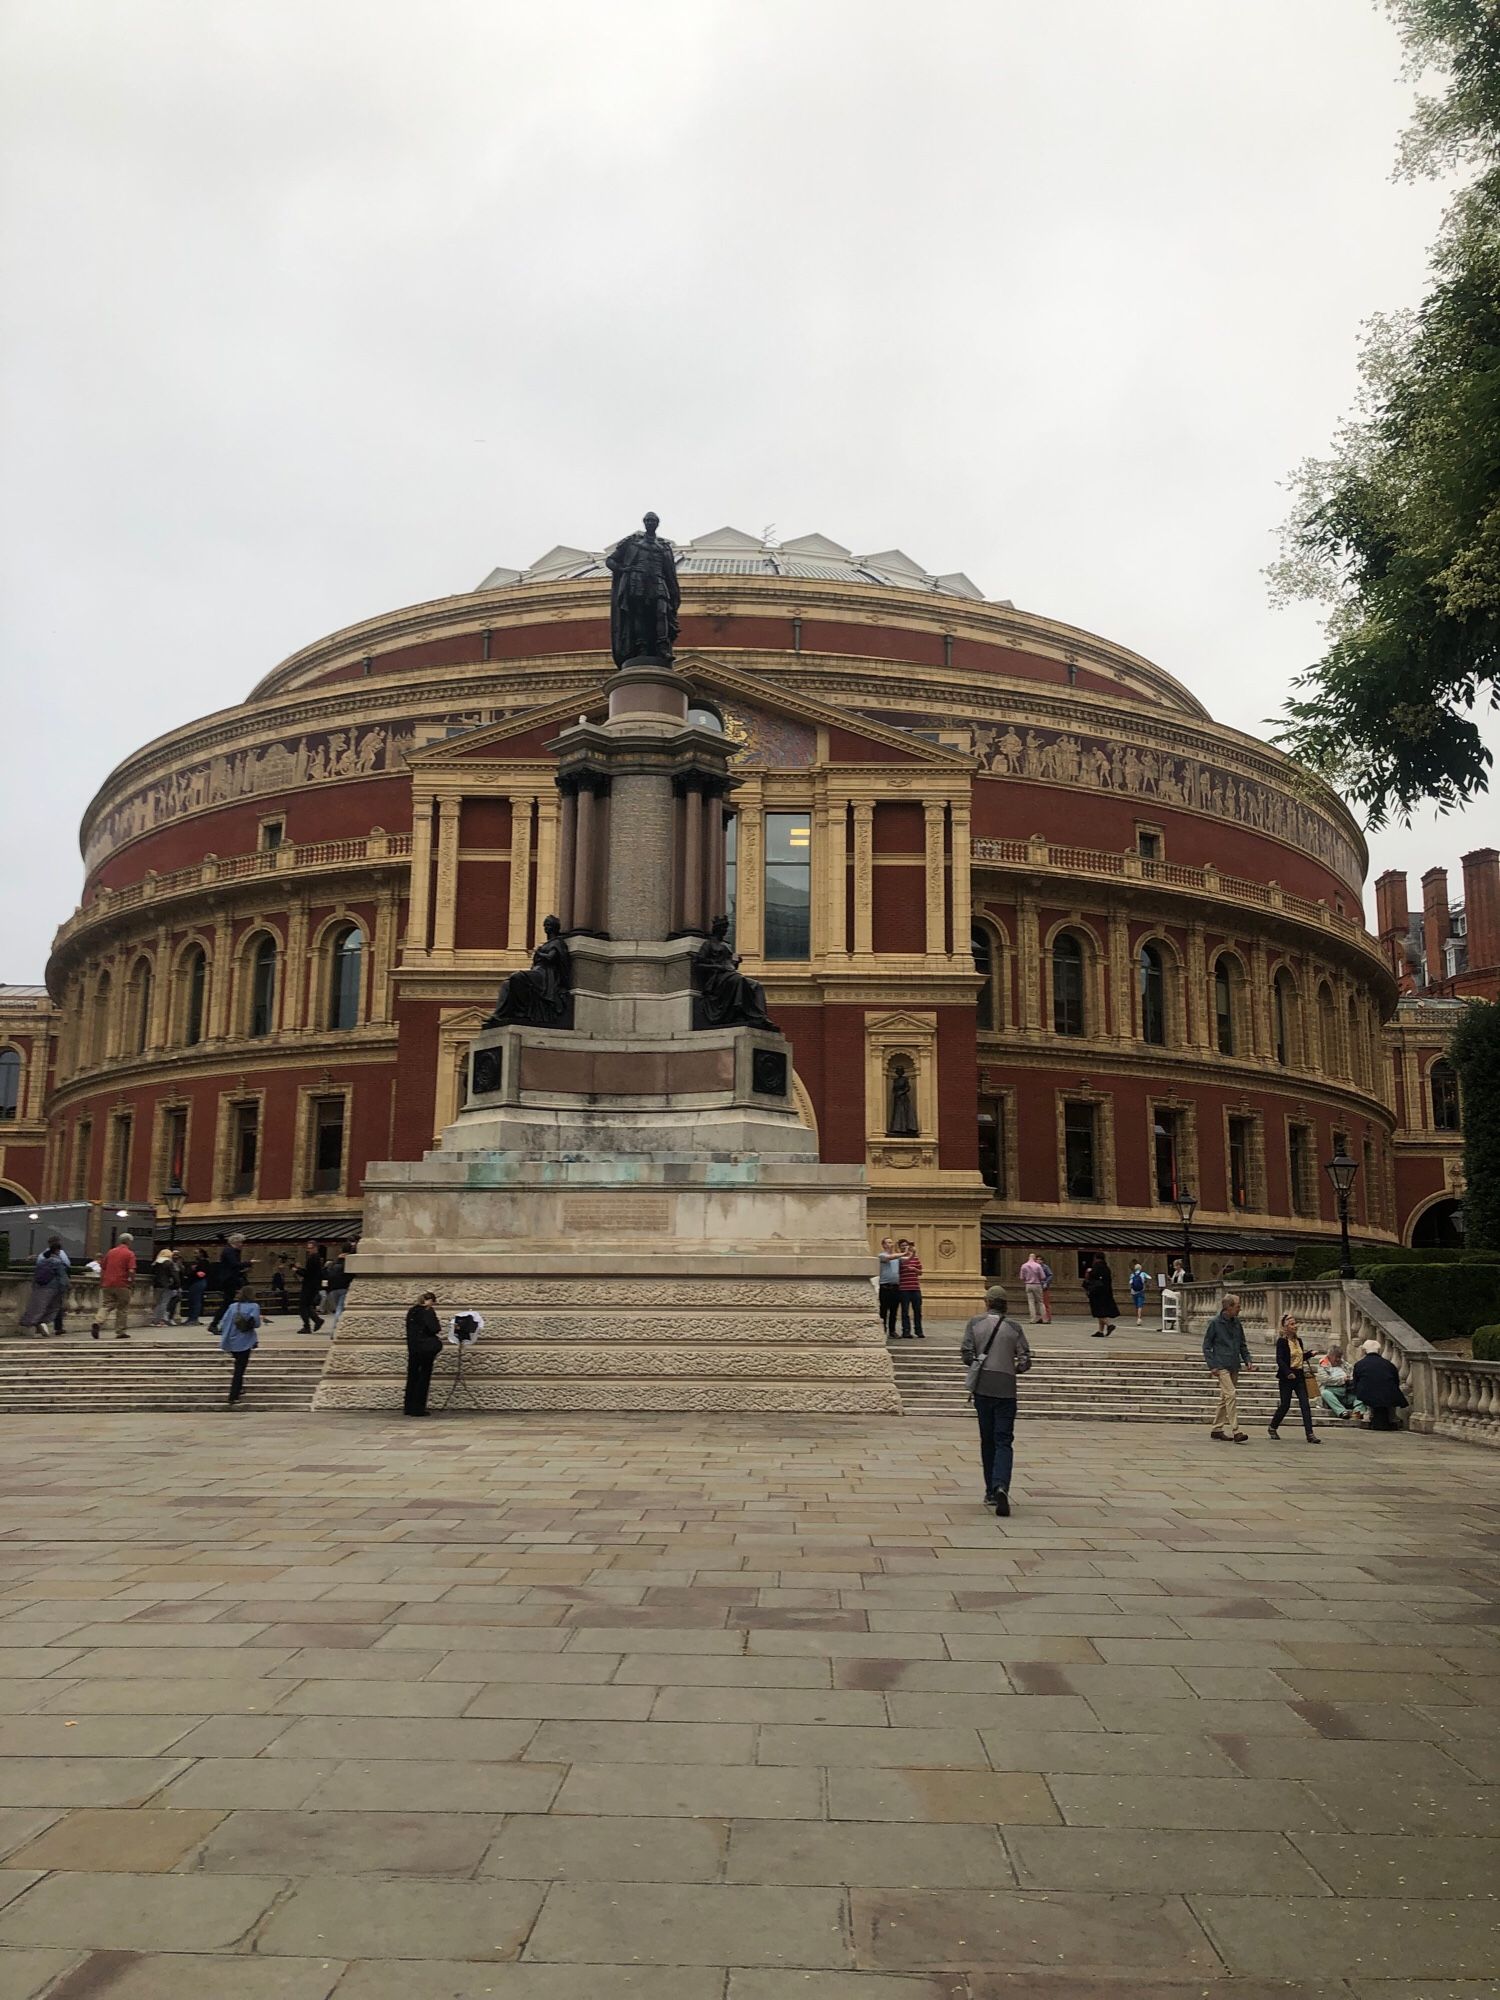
139,1029
10,1082
982,946
1153,983
1069,1015
1224,1023
1443,1083
195,988
1328,1036
346,976
1284,1019
262,1017
99,1024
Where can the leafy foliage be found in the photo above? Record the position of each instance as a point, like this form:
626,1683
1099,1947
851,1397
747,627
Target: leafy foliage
1475,1054
1399,530
1441,1301
1486,1343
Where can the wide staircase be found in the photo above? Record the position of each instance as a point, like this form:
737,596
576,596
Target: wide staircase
82,1377
1101,1382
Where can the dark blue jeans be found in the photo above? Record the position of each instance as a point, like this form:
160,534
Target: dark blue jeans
997,1431
195,1292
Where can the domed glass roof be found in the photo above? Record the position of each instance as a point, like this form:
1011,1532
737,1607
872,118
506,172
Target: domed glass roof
731,552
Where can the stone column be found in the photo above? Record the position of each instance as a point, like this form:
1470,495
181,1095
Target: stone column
296,1001
220,974
749,897
1029,959
546,857
567,854
836,876
1260,1003
518,926
1122,1025
384,946
419,902
446,911
585,889
714,895
161,992
937,915
690,861
640,833
1195,1000
864,876
961,866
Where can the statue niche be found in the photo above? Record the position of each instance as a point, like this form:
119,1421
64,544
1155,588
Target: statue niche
542,996
727,998
901,1102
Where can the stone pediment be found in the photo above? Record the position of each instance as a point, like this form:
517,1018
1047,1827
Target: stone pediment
775,728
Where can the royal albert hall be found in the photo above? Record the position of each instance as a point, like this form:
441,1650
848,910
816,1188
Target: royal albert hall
1117,949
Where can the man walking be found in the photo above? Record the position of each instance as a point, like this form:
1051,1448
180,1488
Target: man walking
1000,1350
424,1343
1225,1352
890,1287
336,1282
229,1276
909,1289
115,1273
1034,1284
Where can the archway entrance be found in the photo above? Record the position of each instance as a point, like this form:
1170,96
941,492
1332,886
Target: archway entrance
1440,1227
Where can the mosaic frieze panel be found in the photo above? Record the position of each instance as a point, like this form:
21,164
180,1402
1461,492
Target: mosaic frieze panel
1066,758
781,742
242,774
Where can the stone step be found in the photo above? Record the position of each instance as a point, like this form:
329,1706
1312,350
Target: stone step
57,1378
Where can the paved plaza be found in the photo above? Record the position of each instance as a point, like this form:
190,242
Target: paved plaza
749,1710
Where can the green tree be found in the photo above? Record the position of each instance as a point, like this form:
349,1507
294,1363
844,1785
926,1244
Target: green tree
1399,530
1475,1054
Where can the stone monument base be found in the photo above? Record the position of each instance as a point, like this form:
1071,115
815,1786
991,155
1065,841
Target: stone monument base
643,1225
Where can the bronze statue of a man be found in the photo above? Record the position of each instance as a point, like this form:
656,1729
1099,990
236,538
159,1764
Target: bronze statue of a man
643,596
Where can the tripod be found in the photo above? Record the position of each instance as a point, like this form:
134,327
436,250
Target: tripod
458,1381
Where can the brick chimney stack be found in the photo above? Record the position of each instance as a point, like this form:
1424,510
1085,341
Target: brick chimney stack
1436,927
1482,907
1393,923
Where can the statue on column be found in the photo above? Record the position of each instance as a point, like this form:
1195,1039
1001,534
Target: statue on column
643,596
728,998
543,996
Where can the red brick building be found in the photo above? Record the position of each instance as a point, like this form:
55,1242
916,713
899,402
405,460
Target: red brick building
1118,947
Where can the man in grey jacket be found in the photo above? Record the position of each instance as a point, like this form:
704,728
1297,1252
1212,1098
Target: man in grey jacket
1225,1352
1005,1354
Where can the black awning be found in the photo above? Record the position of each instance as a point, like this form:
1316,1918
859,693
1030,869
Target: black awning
267,1229
1261,1245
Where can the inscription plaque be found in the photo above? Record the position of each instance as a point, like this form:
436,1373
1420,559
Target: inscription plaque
592,1214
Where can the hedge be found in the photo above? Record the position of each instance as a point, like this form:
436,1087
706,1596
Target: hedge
1317,1260
1270,1274
1441,1301
1486,1343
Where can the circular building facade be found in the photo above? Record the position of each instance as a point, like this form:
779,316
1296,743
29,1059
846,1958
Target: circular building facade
1051,945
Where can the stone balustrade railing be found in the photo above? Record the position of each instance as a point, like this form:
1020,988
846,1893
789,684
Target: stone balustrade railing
1449,1396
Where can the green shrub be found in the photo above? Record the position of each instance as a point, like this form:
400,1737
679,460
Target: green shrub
1475,1054
1486,1343
1269,1274
1312,1261
1440,1301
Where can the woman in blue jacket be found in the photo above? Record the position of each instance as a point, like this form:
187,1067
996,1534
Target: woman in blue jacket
239,1336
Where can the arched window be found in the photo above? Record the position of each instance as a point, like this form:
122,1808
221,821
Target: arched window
1224,1007
10,1083
139,1030
195,988
1443,1083
262,1016
346,975
1153,983
1284,1019
1328,1037
982,946
99,1025
1069,1015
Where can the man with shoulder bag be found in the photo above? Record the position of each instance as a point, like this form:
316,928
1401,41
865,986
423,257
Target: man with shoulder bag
995,1351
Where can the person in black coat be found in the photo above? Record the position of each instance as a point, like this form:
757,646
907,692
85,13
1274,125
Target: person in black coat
424,1343
1377,1384
311,1290
1291,1378
228,1275
1100,1287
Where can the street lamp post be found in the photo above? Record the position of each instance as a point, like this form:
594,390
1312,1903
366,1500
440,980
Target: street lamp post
1341,1170
1186,1203
173,1197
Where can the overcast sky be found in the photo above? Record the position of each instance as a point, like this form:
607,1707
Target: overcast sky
313,308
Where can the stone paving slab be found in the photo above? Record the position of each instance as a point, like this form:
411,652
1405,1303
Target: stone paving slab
771,1711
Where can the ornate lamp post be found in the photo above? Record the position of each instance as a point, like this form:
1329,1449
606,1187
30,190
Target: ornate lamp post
1186,1203
1341,1170
172,1199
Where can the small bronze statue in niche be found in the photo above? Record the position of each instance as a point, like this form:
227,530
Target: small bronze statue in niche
727,997
901,1107
541,997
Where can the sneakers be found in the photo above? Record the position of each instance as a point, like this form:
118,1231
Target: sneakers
1272,1432
1002,1503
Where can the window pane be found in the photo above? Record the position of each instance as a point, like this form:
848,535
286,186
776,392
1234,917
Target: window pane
246,1147
10,1082
984,965
197,979
1078,1152
731,865
1224,1009
1067,986
1239,1163
788,885
1153,997
347,975
1445,1107
992,1144
1167,1181
263,988
789,837
328,1146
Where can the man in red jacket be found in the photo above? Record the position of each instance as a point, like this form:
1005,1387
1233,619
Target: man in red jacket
115,1274
909,1289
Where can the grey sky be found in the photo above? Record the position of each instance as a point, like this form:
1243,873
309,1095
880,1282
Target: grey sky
316,309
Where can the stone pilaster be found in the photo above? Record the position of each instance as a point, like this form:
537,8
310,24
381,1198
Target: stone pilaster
445,913
518,924
864,877
419,907
932,850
